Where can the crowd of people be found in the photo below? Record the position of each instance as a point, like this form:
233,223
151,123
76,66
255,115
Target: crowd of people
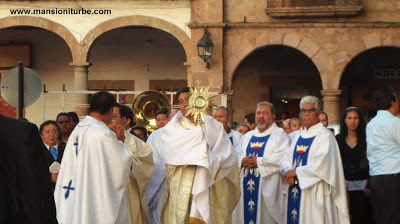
106,169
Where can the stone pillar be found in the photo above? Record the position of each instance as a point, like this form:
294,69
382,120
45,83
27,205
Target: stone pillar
331,104
229,105
81,83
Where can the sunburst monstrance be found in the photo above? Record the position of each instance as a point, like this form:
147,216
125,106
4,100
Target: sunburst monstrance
199,102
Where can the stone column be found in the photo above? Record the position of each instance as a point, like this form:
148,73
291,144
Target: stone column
331,104
81,83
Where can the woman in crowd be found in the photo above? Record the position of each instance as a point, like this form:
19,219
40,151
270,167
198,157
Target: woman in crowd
353,150
50,133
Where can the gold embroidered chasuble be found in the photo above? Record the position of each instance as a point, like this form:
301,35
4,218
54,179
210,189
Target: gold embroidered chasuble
143,167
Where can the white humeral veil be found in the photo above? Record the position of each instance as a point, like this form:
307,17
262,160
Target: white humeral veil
208,148
95,171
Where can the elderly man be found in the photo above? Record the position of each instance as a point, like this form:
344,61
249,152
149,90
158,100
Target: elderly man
383,153
323,117
143,165
200,169
223,115
262,200
312,168
95,170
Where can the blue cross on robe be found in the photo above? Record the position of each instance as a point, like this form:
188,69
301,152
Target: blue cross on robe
68,189
76,145
300,157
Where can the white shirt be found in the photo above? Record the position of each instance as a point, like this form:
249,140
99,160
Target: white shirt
383,144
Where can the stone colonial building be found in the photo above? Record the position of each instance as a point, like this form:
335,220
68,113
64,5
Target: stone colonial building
264,50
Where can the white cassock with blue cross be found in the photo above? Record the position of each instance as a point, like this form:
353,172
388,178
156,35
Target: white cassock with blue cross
320,193
94,175
262,199
300,157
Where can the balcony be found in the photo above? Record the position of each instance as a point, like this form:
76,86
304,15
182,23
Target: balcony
312,8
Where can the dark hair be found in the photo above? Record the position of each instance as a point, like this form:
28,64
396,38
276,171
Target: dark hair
321,112
48,122
101,102
162,111
73,116
143,129
245,125
384,97
126,112
182,90
251,117
361,125
63,114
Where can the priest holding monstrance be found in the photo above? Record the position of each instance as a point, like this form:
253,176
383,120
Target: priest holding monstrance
201,173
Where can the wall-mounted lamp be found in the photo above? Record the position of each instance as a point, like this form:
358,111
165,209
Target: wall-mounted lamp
205,47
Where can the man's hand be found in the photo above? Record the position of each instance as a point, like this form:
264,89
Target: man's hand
249,162
290,177
119,131
54,177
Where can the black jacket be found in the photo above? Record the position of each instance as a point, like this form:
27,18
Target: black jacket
26,194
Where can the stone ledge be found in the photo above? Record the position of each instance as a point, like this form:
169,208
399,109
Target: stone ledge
313,11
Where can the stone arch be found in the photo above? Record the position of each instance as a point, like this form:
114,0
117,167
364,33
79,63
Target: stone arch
360,45
135,20
295,40
46,24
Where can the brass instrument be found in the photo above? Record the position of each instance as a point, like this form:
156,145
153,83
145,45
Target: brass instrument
145,107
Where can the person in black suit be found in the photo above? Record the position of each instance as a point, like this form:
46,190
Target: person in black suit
50,133
25,187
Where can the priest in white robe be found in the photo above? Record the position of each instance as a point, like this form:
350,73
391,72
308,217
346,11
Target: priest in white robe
262,199
94,174
313,169
143,165
201,173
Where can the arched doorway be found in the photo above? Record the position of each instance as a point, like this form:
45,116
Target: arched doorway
372,69
137,58
275,73
50,57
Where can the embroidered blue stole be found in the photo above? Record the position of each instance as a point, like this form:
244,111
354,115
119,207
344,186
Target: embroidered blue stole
231,138
251,180
300,156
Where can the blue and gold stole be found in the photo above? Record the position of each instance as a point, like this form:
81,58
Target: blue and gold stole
251,180
300,156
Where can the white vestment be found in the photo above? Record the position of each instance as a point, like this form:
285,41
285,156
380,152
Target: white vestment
323,196
91,185
271,198
235,138
156,185
208,148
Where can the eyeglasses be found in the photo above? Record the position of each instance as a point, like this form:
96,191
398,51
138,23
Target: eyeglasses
309,110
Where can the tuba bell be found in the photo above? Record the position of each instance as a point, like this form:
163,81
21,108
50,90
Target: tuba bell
145,107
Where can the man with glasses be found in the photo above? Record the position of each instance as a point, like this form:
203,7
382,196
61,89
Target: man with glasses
312,169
